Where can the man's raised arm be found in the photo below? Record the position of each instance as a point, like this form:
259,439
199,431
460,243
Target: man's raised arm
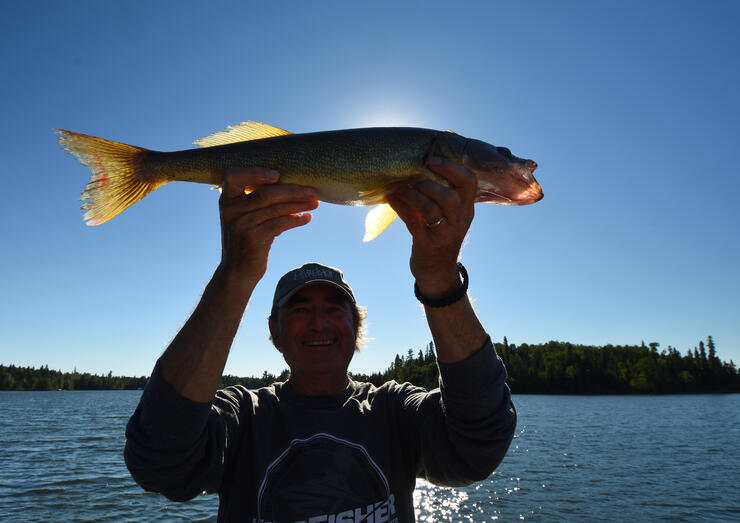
194,361
464,431
438,219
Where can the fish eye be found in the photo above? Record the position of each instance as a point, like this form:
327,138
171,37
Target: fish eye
505,151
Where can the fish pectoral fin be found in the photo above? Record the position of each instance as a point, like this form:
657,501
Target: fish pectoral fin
377,220
241,132
373,196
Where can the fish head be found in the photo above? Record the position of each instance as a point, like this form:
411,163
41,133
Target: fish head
502,177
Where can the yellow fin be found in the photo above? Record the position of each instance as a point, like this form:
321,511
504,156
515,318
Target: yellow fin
117,179
377,220
241,132
373,196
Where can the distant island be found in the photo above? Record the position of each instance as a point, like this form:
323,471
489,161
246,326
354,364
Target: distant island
554,367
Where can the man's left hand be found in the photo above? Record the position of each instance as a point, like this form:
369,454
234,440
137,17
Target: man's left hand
438,219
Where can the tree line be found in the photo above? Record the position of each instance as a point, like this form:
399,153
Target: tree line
564,368
551,368
43,378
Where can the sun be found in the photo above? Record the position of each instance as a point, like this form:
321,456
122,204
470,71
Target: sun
389,113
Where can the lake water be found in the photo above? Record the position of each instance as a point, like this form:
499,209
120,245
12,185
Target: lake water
628,458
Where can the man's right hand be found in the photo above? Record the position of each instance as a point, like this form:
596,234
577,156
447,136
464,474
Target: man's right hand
255,209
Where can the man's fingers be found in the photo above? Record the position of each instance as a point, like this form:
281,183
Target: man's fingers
429,202
261,215
407,213
268,230
264,197
424,208
283,223
458,176
445,202
236,180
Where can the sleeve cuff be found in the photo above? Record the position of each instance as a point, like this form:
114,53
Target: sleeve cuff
482,369
174,415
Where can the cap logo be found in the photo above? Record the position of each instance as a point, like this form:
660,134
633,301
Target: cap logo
312,273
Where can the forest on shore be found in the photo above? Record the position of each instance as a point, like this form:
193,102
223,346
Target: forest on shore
559,367
554,367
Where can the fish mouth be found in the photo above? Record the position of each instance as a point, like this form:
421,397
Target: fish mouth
530,194
508,182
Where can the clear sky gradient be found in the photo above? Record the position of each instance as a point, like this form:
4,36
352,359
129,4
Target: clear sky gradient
631,110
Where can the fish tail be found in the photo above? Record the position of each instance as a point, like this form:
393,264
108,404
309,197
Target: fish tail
117,179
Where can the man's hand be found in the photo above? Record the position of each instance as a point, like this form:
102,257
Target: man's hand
251,221
438,219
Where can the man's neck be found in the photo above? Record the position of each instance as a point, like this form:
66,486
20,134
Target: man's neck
319,385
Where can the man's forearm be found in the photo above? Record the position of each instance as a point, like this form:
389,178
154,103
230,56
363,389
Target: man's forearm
194,361
456,330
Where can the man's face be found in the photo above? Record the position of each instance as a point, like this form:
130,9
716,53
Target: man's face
316,334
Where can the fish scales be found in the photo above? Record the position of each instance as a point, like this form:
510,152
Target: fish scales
346,167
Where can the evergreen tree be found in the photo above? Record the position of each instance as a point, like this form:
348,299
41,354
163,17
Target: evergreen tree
712,351
702,352
431,356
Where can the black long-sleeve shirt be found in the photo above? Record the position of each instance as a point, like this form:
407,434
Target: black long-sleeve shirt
276,456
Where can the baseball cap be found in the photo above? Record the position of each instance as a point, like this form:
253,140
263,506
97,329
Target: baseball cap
308,274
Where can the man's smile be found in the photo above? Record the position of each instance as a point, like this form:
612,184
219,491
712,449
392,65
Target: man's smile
319,343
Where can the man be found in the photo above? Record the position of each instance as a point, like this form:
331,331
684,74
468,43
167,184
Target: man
321,447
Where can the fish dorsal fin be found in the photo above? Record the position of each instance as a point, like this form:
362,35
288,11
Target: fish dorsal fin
241,132
377,220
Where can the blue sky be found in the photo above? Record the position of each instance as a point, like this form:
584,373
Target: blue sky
629,108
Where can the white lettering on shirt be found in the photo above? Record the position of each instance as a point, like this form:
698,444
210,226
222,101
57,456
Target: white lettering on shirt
380,512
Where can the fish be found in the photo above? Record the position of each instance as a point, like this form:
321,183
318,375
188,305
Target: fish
347,167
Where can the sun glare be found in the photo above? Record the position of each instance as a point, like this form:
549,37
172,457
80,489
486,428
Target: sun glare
384,114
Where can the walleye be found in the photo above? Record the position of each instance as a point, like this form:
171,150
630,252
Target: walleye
347,167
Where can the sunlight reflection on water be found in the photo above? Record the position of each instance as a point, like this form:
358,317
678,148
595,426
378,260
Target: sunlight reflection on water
434,503
614,458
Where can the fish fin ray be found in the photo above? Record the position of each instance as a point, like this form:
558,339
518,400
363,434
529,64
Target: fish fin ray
373,196
378,220
241,132
116,177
